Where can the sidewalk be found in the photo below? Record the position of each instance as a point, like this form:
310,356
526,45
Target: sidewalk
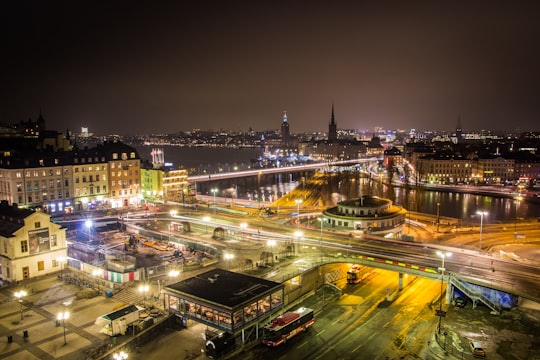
44,339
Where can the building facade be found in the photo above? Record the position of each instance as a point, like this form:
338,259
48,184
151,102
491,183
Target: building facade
30,244
368,214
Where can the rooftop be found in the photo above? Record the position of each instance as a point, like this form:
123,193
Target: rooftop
224,287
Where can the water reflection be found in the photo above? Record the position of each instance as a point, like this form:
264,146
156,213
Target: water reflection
336,188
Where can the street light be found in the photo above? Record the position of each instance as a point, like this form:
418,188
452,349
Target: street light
298,202
229,257
173,274
481,213
62,316
97,273
298,235
320,237
120,356
206,220
442,255
61,260
517,201
143,289
271,243
19,295
214,191
438,215
243,227
88,224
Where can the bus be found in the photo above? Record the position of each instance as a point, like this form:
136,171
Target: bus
354,275
287,325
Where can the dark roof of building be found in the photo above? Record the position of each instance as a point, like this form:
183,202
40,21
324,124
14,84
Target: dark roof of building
121,312
11,218
224,287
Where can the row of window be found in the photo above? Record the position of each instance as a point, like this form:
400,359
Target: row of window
41,173
244,315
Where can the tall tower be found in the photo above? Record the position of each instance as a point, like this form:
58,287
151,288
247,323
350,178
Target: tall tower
285,135
332,127
459,130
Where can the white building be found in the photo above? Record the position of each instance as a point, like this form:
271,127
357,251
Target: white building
30,244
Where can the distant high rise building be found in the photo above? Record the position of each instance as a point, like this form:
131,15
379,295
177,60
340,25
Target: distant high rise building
332,127
285,135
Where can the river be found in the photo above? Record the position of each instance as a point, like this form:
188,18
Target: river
455,205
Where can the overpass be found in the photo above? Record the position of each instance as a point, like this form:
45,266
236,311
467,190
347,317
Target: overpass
482,277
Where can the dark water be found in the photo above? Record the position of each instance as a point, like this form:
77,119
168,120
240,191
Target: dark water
269,188
203,157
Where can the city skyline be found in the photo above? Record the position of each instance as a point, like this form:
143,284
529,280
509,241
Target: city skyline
139,67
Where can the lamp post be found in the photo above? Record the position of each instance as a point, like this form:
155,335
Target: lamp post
143,289
481,213
243,227
298,202
442,255
173,274
229,257
97,273
88,224
214,191
298,235
61,260
271,244
19,295
62,316
206,220
517,201
438,215
320,237
120,356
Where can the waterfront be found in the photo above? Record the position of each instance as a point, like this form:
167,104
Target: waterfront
461,206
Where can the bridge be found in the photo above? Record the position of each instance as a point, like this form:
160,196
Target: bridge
482,277
296,168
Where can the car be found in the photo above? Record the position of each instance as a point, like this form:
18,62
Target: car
460,302
476,350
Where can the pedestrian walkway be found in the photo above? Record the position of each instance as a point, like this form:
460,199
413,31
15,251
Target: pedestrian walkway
29,330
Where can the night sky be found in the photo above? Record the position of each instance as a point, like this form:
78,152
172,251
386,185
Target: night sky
136,67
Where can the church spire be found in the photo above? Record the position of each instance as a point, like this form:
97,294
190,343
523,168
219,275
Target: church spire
332,127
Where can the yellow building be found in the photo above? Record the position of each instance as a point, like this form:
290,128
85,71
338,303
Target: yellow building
124,169
175,185
151,184
30,244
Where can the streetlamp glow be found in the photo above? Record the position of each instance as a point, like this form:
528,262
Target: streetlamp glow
214,191
298,235
120,356
517,201
63,316
320,237
88,223
19,295
97,273
61,260
442,255
206,220
228,257
481,213
438,215
143,289
298,202
243,227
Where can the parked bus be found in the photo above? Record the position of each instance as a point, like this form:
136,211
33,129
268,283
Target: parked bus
287,325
